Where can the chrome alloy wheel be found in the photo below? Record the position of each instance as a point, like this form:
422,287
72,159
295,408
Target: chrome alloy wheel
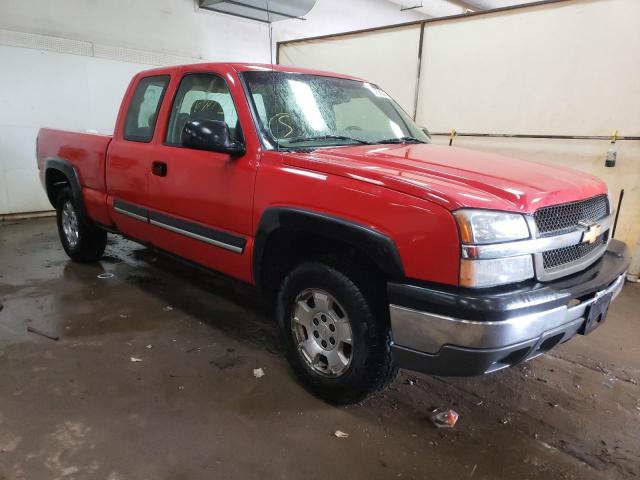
322,331
70,224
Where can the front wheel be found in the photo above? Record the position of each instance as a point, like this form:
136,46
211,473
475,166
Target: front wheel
336,332
83,241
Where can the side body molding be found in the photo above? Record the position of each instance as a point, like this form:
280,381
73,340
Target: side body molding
69,171
378,246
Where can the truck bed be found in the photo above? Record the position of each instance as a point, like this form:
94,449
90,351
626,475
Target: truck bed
86,151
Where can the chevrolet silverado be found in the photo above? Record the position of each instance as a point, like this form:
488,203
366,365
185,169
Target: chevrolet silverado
379,249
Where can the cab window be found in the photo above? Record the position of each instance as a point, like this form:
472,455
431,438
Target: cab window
142,114
199,97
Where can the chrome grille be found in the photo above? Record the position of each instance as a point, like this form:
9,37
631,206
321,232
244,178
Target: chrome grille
558,218
563,256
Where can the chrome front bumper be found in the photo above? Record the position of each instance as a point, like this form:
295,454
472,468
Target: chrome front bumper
453,331
429,332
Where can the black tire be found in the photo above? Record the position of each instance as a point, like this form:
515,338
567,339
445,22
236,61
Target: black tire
91,240
370,368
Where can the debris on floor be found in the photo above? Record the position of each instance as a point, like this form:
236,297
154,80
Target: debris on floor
340,434
168,308
135,359
258,372
412,381
505,420
42,334
105,275
445,419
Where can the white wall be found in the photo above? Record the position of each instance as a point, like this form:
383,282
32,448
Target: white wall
336,16
48,89
164,26
66,65
395,50
396,74
571,68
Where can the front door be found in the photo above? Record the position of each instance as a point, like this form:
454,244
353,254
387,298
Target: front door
201,201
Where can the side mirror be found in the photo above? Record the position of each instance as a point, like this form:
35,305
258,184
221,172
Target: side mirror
426,132
212,135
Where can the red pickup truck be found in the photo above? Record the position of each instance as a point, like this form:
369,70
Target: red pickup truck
380,249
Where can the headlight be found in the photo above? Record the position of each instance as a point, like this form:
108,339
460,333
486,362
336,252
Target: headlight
480,227
497,271
488,226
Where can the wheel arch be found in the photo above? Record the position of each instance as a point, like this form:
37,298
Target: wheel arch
287,235
58,173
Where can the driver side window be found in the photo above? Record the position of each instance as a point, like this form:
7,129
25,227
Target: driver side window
202,96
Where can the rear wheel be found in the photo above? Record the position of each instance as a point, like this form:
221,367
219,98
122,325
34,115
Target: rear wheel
83,241
335,331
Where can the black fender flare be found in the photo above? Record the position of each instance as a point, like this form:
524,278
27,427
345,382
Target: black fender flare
379,247
73,178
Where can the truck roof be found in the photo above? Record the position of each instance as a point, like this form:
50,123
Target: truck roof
244,67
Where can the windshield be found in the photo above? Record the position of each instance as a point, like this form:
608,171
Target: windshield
308,111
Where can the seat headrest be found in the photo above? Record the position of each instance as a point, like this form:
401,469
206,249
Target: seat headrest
207,109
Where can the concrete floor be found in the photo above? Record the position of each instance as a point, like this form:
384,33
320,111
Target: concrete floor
79,408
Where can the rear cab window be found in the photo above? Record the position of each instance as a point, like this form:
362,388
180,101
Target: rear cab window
142,113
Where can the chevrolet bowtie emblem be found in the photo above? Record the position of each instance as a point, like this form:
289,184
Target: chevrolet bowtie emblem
592,230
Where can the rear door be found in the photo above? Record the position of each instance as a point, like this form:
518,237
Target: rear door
128,168
201,201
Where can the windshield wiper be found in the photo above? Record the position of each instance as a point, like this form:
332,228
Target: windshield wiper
401,140
327,137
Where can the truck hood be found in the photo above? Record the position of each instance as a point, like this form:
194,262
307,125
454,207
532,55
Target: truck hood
453,177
